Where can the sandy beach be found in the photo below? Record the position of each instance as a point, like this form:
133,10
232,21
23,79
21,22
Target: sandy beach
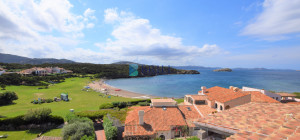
107,89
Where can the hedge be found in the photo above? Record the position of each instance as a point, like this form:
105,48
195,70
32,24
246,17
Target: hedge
19,120
93,115
144,103
99,114
130,103
111,132
106,106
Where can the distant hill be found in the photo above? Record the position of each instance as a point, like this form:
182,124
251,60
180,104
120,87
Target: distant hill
125,62
9,58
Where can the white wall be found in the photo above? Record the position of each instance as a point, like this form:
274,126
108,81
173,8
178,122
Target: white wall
1,72
167,134
270,94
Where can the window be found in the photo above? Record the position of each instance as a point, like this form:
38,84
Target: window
200,102
216,105
221,107
276,98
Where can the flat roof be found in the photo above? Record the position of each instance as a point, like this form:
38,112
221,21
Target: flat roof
162,100
286,94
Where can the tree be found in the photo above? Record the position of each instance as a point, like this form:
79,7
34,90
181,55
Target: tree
7,97
3,86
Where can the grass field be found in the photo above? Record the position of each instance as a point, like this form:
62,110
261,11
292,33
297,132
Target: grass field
79,101
29,135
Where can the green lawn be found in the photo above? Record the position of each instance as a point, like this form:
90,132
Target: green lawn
180,100
79,101
29,135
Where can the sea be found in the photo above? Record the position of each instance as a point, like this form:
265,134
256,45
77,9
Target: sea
178,85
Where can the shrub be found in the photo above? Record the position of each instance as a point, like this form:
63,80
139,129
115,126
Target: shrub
106,106
85,137
56,119
38,115
49,100
93,115
3,86
111,132
193,138
70,116
122,104
19,120
7,97
115,104
78,128
144,104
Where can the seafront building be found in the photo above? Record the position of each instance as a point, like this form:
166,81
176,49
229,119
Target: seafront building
221,98
162,119
221,113
44,71
255,121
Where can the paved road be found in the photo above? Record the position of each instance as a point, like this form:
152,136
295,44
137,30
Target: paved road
99,131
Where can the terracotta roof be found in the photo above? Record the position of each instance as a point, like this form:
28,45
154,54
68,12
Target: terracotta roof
286,94
155,119
258,97
189,115
199,97
259,121
162,100
222,94
205,109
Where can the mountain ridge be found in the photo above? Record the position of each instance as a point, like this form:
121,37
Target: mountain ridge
10,58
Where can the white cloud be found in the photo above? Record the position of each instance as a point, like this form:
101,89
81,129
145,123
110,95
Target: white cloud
279,18
45,28
111,15
135,38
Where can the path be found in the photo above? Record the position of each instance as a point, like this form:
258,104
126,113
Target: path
100,135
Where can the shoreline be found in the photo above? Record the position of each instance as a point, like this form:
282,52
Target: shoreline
105,88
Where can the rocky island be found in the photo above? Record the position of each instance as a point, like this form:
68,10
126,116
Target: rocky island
223,70
188,72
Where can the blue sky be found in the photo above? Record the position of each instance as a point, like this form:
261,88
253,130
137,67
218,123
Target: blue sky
235,33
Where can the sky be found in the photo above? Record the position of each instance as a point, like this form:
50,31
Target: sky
214,33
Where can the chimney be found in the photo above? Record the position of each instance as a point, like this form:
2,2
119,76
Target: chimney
141,117
235,89
203,88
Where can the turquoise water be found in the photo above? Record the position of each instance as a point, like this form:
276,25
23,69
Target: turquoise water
179,85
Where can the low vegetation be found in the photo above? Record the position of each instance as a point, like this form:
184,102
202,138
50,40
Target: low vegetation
7,97
111,131
297,94
78,128
42,101
180,100
36,116
119,114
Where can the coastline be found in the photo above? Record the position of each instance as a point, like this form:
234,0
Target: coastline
105,88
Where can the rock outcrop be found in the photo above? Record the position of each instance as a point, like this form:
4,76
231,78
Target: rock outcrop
188,72
223,70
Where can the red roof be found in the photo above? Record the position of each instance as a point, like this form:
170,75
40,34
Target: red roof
222,94
155,119
258,121
190,114
258,97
